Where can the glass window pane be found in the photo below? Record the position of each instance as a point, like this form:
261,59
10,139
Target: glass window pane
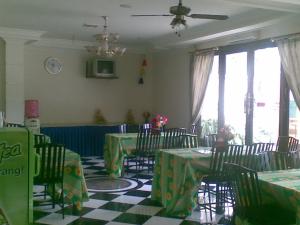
235,91
266,89
294,121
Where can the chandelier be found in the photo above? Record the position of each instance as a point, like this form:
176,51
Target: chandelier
107,43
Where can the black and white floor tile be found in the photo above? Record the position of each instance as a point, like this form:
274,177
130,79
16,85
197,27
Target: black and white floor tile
127,205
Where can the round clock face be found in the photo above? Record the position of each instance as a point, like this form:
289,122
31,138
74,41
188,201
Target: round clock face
52,65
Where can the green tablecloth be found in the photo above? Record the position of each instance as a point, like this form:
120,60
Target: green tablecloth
115,148
75,189
177,175
280,187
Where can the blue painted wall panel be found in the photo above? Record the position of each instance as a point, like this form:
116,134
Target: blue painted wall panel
85,140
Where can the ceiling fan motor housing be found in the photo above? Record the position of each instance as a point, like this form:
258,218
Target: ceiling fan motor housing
179,10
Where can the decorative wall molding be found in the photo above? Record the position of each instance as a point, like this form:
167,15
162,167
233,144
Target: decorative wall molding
12,33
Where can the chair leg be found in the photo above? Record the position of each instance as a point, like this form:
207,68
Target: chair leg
45,191
209,200
53,195
63,200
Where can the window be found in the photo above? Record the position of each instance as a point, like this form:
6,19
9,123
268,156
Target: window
248,77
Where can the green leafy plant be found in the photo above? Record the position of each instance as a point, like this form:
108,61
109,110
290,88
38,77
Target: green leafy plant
209,126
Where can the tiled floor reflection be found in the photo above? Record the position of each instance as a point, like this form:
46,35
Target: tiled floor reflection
119,207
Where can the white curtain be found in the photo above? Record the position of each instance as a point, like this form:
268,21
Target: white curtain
289,51
201,68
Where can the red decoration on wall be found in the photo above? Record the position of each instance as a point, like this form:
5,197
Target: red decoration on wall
143,71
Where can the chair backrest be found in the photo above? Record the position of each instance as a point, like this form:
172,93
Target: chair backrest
210,140
235,154
274,160
39,139
146,126
196,129
217,159
14,125
263,147
148,141
245,184
123,128
171,137
189,141
250,152
222,155
287,144
51,164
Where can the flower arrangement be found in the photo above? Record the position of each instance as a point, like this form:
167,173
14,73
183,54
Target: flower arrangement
159,121
226,133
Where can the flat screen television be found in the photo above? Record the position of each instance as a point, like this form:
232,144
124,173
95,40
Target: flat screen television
101,68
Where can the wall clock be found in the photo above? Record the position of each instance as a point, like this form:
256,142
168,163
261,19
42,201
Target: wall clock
53,65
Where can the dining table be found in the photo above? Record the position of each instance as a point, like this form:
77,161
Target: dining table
75,188
282,187
116,147
177,177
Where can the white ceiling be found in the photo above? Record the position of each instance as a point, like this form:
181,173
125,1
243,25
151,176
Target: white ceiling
64,19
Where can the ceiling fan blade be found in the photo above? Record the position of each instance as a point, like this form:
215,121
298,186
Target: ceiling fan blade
208,16
152,15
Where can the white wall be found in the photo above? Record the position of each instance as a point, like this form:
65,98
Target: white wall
2,75
171,86
71,98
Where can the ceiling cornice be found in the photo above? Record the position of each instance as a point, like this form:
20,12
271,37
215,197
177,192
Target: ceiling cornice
278,5
61,43
13,33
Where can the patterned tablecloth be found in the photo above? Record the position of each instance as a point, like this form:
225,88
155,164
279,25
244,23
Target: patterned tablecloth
279,187
177,176
282,187
115,148
75,189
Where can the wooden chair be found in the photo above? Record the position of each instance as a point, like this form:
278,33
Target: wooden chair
51,170
210,140
171,137
123,128
196,129
148,141
273,160
264,147
250,154
189,141
216,183
248,199
287,144
14,125
39,139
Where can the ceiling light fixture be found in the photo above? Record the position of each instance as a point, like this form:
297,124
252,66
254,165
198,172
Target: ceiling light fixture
178,24
107,43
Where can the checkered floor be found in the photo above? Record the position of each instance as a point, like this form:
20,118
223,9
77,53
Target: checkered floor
132,206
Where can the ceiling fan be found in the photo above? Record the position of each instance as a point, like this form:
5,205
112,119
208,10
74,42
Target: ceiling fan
180,11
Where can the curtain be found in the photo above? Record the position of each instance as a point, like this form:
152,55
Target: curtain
201,68
289,51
